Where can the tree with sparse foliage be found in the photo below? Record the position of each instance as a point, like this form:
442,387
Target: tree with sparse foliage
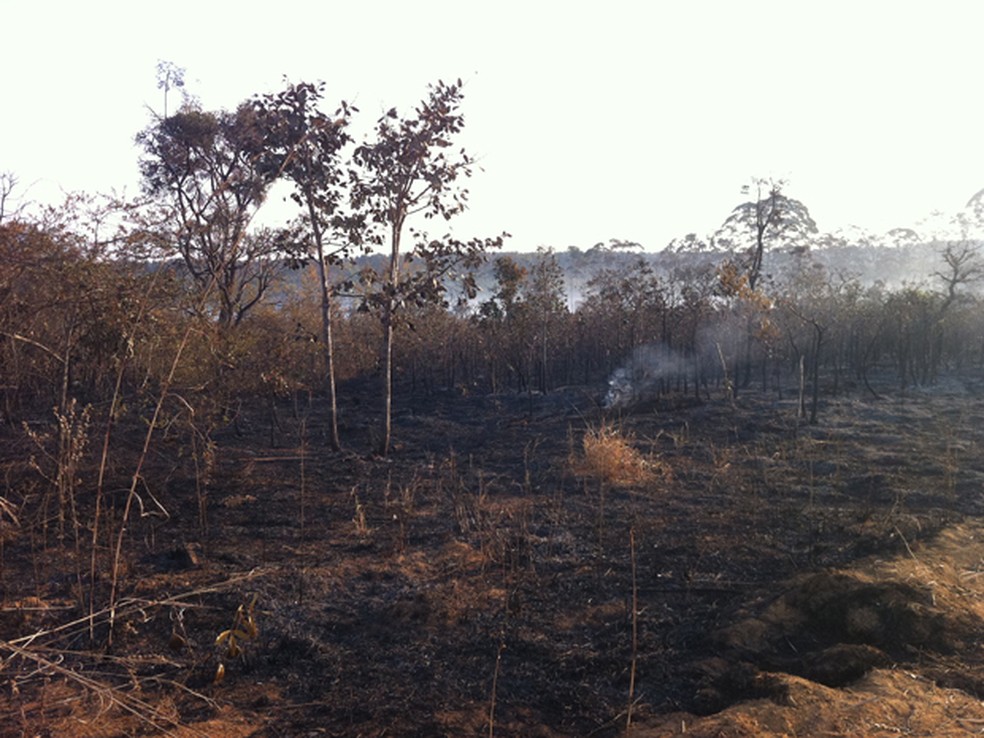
411,167
544,303
771,217
204,170
963,266
304,145
8,208
170,76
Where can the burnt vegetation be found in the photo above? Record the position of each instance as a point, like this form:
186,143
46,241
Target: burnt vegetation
264,482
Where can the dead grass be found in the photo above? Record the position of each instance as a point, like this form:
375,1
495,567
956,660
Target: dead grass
610,456
884,703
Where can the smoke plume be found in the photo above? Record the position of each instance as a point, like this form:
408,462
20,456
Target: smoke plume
639,378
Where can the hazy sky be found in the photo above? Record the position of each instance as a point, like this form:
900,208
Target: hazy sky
632,120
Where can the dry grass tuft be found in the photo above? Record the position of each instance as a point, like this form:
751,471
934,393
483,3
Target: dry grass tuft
610,456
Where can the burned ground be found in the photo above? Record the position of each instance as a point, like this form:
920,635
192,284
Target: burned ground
482,575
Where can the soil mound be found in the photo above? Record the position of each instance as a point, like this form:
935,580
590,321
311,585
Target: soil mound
884,703
831,625
904,636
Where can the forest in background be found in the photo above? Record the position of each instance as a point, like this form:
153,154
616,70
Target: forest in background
80,325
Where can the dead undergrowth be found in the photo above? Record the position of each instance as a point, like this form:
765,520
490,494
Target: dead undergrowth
611,457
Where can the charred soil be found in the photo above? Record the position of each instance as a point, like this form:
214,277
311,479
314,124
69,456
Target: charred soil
481,581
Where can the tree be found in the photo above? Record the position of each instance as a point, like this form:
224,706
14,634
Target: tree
411,168
634,295
496,319
810,299
9,208
752,225
912,314
304,145
544,303
206,171
964,266
509,276
770,217
170,75
689,244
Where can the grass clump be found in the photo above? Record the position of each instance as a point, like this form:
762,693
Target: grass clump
610,456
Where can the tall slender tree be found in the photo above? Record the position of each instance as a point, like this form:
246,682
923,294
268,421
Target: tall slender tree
412,168
304,145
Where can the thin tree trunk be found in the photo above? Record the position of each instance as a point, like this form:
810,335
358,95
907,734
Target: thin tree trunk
327,340
327,336
815,402
384,443
388,309
802,386
543,357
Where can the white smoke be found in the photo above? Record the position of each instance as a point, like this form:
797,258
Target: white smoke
639,379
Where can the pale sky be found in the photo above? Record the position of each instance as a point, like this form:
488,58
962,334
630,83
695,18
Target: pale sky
624,119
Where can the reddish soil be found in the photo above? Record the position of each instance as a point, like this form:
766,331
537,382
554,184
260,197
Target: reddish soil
789,579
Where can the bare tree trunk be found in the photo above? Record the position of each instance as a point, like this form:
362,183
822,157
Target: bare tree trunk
327,339
384,443
802,386
329,348
389,307
543,357
815,401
